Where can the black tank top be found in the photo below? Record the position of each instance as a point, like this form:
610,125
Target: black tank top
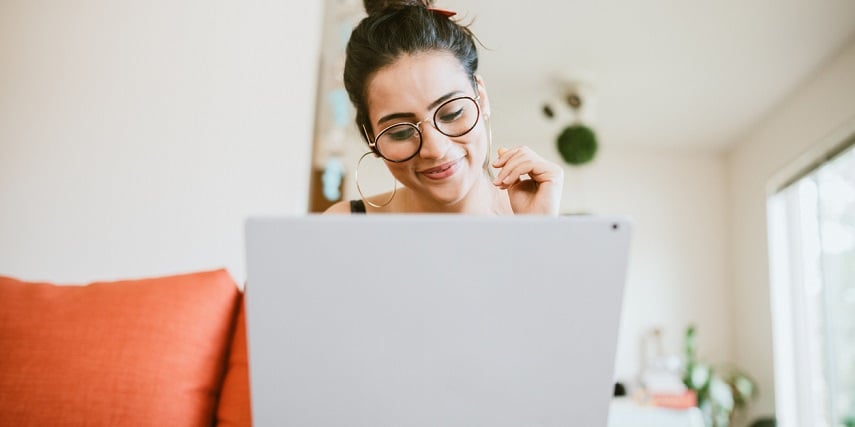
357,207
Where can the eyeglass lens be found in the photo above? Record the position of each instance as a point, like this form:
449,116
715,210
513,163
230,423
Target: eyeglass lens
402,141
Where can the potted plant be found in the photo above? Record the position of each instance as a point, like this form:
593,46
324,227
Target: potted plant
722,390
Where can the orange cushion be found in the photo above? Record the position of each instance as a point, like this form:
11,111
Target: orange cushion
137,352
234,407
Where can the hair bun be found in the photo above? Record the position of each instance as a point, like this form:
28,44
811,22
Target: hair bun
376,6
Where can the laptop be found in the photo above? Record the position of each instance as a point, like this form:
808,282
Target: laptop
433,320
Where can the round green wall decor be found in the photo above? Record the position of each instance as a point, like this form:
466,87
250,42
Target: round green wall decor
577,144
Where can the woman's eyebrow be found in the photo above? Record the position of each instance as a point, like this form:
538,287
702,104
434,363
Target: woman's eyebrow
433,105
442,99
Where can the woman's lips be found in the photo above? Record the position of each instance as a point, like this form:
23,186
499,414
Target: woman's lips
442,171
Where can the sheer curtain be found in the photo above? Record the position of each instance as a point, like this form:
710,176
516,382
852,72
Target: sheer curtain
812,266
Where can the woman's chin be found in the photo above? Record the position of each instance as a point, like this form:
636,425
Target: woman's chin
450,192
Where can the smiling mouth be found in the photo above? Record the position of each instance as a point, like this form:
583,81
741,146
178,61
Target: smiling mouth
442,171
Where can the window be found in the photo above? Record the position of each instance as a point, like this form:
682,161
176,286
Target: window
812,267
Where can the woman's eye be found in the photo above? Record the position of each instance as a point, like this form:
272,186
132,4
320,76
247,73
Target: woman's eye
401,135
451,116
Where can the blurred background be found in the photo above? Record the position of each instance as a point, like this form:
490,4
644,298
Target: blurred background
136,137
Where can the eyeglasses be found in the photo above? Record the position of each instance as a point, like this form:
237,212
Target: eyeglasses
402,141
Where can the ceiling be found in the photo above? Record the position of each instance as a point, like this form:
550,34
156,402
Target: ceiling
657,73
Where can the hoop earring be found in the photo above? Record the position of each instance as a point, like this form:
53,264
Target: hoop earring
488,166
359,189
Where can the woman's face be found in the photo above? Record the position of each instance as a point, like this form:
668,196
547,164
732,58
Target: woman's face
446,168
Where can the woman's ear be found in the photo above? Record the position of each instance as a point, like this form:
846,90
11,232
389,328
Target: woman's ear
482,93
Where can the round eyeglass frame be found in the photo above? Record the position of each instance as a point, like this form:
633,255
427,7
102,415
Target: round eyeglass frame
373,143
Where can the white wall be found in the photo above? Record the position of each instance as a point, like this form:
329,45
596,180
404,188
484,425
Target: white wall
135,137
824,107
679,268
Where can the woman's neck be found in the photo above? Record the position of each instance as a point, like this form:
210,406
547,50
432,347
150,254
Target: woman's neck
483,199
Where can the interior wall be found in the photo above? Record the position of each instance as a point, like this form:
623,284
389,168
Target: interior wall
815,115
136,137
678,272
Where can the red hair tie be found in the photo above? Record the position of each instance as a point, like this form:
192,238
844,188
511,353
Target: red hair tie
443,12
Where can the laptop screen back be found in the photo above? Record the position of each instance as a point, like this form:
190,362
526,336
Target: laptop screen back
427,320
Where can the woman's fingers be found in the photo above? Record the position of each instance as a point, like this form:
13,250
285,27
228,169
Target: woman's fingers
514,171
519,161
508,158
541,193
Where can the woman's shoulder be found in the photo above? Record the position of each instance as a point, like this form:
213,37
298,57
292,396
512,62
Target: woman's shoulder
342,207
388,201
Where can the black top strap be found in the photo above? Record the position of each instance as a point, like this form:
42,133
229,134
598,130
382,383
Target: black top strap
357,207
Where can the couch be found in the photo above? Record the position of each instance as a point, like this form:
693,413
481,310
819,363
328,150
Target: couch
165,351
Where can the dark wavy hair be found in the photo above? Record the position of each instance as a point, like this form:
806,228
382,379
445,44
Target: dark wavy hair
395,28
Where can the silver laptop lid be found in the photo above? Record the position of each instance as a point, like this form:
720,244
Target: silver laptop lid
423,320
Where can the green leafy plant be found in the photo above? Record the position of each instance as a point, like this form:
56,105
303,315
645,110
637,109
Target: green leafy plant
577,144
722,390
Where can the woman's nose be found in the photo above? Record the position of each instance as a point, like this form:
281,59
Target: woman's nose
434,143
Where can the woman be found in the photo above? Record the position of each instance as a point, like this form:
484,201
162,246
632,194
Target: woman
411,74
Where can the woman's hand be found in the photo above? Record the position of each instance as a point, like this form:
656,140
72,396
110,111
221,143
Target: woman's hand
541,193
